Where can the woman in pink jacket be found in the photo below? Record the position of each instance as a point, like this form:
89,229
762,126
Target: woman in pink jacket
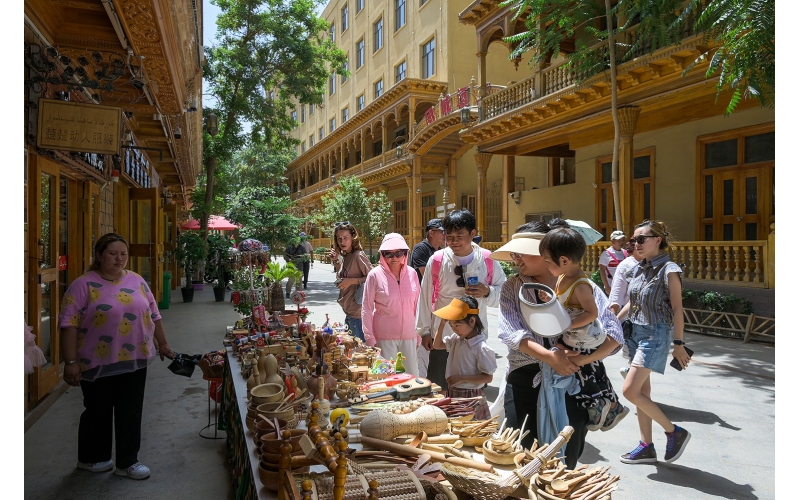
389,308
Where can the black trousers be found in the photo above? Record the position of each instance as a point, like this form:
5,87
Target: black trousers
526,399
437,367
112,402
306,269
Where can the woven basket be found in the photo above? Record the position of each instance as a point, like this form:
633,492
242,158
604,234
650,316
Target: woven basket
481,485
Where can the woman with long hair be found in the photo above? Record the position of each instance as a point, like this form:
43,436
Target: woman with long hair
351,265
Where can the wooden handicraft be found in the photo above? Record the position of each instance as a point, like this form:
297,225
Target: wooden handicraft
387,426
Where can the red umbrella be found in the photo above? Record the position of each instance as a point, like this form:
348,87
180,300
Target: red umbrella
215,222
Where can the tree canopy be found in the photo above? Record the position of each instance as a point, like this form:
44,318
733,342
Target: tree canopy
348,201
739,36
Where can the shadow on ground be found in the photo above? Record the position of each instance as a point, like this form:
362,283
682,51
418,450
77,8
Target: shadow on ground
706,482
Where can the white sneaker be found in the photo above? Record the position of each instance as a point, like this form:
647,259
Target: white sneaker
97,466
624,371
135,471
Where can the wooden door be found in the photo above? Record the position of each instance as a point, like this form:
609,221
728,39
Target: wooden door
146,243
735,202
43,212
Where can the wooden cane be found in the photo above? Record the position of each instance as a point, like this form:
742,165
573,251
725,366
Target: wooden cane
408,451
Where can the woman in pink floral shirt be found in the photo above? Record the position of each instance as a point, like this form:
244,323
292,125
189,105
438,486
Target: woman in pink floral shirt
110,331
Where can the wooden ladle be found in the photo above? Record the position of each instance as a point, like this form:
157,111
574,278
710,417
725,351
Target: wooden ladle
421,437
561,486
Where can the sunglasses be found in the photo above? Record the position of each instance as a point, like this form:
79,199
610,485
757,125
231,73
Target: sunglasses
398,254
343,223
459,270
639,240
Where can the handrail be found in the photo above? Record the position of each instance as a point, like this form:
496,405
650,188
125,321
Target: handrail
727,262
448,104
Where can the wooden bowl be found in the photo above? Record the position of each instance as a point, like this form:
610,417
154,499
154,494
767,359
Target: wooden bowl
266,393
498,458
475,441
271,443
274,458
269,475
260,428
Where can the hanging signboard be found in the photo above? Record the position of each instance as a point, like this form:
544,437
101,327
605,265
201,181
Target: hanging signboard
75,126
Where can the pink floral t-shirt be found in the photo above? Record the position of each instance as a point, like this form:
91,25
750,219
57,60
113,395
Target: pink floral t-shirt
114,320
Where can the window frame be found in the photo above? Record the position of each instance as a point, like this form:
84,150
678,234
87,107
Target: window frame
345,114
376,88
396,68
359,6
424,55
361,49
332,124
377,35
311,141
322,132
346,68
361,102
345,13
332,84
332,32
399,14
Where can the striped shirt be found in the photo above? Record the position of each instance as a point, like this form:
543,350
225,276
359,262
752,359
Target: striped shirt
649,291
513,329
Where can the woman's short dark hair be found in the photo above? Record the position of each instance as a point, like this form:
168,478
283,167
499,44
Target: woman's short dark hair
459,219
533,227
101,245
353,233
563,242
472,302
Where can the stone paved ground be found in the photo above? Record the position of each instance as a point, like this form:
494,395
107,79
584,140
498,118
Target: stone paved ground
726,399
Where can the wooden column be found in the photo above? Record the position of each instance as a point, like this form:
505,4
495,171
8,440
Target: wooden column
628,116
508,186
481,74
363,147
415,201
482,163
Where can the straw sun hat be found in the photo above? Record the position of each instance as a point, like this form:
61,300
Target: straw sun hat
524,243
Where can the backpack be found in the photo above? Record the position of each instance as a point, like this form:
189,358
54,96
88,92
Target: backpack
436,268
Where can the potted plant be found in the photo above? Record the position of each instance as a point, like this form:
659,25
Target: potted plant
192,250
274,274
217,263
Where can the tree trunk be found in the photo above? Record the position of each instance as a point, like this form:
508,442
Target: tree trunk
211,168
612,58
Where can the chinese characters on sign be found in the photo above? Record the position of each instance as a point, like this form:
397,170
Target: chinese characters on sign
74,126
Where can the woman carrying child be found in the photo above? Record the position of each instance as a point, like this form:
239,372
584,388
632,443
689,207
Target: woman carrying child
562,250
470,362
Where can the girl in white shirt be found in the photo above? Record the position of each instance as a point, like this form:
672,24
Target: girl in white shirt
471,362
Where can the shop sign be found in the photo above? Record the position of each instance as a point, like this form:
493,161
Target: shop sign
75,126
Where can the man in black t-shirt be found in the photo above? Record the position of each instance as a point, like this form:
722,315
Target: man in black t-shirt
434,240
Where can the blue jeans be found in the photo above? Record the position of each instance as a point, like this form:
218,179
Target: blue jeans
650,345
355,326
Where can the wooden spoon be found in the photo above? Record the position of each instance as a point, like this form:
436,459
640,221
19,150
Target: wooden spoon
561,486
421,437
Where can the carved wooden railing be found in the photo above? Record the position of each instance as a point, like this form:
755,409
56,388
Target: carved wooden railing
726,262
744,326
452,103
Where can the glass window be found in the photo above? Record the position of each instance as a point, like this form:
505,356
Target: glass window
727,197
641,167
333,32
345,20
311,140
359,103
400,72
377,35
303,146
359,53
345,114
428,59
378,88
333,124
332,84
399,14
709,186
310,109
321,133
422,2
294,117
303,113
721,154
359,5
346,68
751,195
759,147
606,173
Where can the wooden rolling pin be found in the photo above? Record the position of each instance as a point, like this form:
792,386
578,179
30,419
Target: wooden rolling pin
408,451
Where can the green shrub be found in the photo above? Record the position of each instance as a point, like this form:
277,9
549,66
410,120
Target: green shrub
597,280
509,269
321,250
715,301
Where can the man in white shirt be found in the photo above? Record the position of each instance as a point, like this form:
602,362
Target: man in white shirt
457,262
611,258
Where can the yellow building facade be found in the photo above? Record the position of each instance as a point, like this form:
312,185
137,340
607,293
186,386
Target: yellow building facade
521,143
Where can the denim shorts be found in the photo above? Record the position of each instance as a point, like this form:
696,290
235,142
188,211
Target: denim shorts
650,345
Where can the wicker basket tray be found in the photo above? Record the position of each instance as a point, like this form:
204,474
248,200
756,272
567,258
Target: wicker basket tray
481,485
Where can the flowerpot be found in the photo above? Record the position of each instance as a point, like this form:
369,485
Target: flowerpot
219,294
188,294
198,286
